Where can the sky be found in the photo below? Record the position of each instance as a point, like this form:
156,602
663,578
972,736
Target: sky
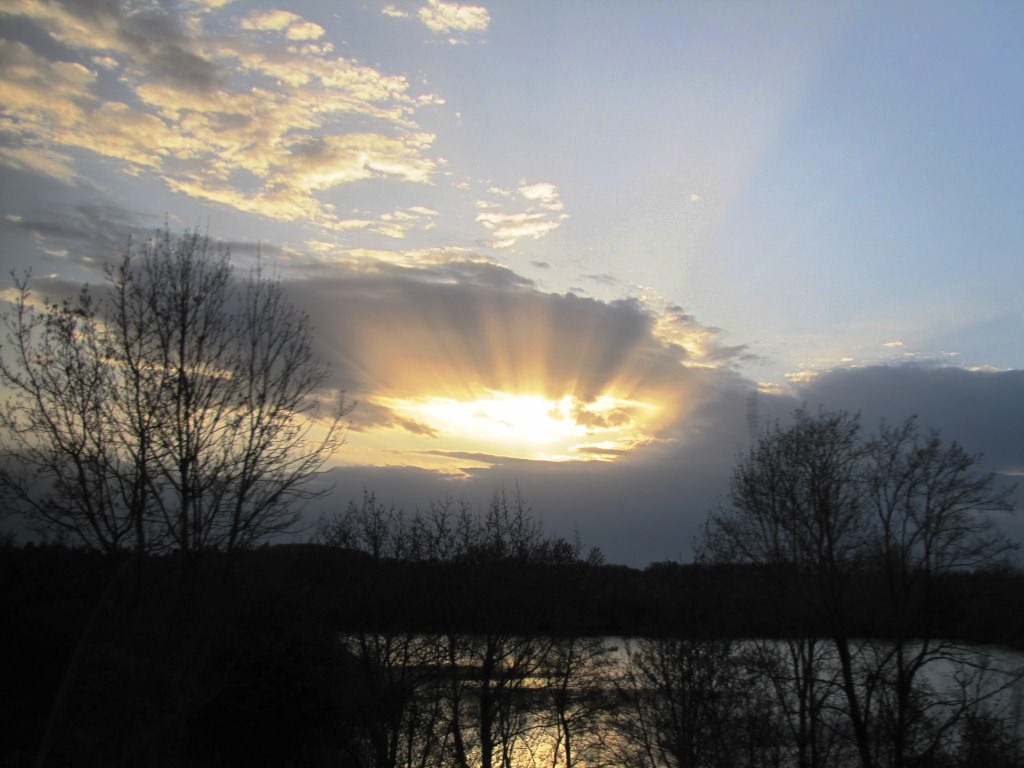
586,249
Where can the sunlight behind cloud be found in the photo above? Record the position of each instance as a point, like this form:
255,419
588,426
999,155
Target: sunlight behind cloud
463,363
532,426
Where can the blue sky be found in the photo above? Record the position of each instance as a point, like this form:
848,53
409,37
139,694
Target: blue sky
562,244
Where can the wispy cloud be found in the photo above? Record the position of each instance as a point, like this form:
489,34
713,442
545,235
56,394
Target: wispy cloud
538,210
394,224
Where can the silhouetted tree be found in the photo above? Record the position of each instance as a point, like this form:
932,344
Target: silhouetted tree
693,703
578,683
830,513
479,698
988,740
179,410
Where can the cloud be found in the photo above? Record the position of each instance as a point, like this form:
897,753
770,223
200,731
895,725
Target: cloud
544,194
543,213
445,18
982,410
703,344
649,504
40,160
90,233
645,505
508,228
394,224
152,43
458,330
416,322
293,25
261,121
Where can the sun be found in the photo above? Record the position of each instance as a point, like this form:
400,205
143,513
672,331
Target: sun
501,417
531,426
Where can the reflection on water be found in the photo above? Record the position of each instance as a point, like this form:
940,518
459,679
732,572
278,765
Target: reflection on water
517,702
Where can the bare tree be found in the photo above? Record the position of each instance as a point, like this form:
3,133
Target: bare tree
692,703
470,700
494,705
801,674
64,453
831,513
179,410
578,684
930,515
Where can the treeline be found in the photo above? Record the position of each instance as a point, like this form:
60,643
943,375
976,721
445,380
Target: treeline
273,656
358,592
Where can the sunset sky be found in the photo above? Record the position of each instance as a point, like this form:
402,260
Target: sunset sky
582,247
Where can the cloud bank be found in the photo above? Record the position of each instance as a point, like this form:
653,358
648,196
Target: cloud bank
649,505
423,339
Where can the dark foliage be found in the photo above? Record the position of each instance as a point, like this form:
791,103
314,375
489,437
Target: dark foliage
235,660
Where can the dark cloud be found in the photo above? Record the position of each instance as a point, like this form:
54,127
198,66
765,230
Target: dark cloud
49,234
455,327
368,415
473,457
434,329
649,504
644,506
605,453
155,39
982,410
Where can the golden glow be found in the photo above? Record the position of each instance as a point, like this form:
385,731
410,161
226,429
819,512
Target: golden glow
531,426
458,378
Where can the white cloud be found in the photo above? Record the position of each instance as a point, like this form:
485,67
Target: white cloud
262,121
292,25
508,228
544,194
445,18
270,21
106,62
306,30
543,213
423,211
210,5
397,223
